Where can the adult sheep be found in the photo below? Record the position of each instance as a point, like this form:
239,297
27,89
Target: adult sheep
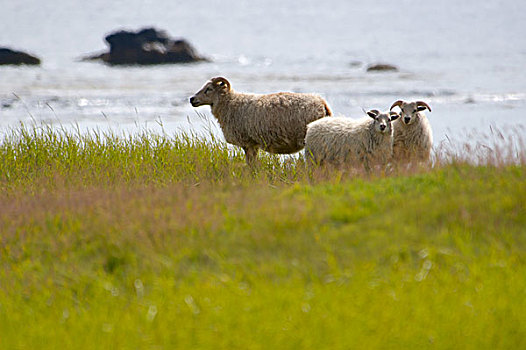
344,141
412,137
276,123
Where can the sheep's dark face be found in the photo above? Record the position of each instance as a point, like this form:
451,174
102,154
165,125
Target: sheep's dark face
210,92
382,121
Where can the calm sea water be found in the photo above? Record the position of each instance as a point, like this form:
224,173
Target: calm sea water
467,59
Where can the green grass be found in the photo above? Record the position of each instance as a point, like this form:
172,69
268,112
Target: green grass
171,242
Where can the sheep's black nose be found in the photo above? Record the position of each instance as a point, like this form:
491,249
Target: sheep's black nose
382,127
407,120
192,99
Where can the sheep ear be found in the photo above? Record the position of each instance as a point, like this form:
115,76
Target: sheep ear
421,105
394,116
222,83
373,113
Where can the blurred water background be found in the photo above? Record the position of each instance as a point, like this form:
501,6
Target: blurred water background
467,59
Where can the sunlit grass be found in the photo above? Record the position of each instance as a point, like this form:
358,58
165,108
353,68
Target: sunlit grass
31,155
155,241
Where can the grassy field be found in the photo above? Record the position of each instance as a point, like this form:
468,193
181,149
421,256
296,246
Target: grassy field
171,242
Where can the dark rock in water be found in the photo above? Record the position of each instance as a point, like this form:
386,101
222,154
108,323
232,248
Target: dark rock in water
469,99
145,47
7,103
8,56
382,67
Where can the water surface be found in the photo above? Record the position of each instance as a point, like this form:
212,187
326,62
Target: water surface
466,59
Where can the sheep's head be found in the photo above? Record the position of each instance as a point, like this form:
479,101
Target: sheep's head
410,110
382,121
211,92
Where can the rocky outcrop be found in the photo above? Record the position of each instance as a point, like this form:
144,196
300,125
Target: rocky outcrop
8,56
382,67
145,47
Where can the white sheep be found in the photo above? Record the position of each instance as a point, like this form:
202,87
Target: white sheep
344,141
412,136
276,123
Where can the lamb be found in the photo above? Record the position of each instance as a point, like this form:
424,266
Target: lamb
412,137
340,140
276,122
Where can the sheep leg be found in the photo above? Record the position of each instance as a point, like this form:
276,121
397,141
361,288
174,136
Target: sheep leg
250,154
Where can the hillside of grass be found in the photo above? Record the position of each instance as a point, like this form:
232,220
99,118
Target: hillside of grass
171,242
